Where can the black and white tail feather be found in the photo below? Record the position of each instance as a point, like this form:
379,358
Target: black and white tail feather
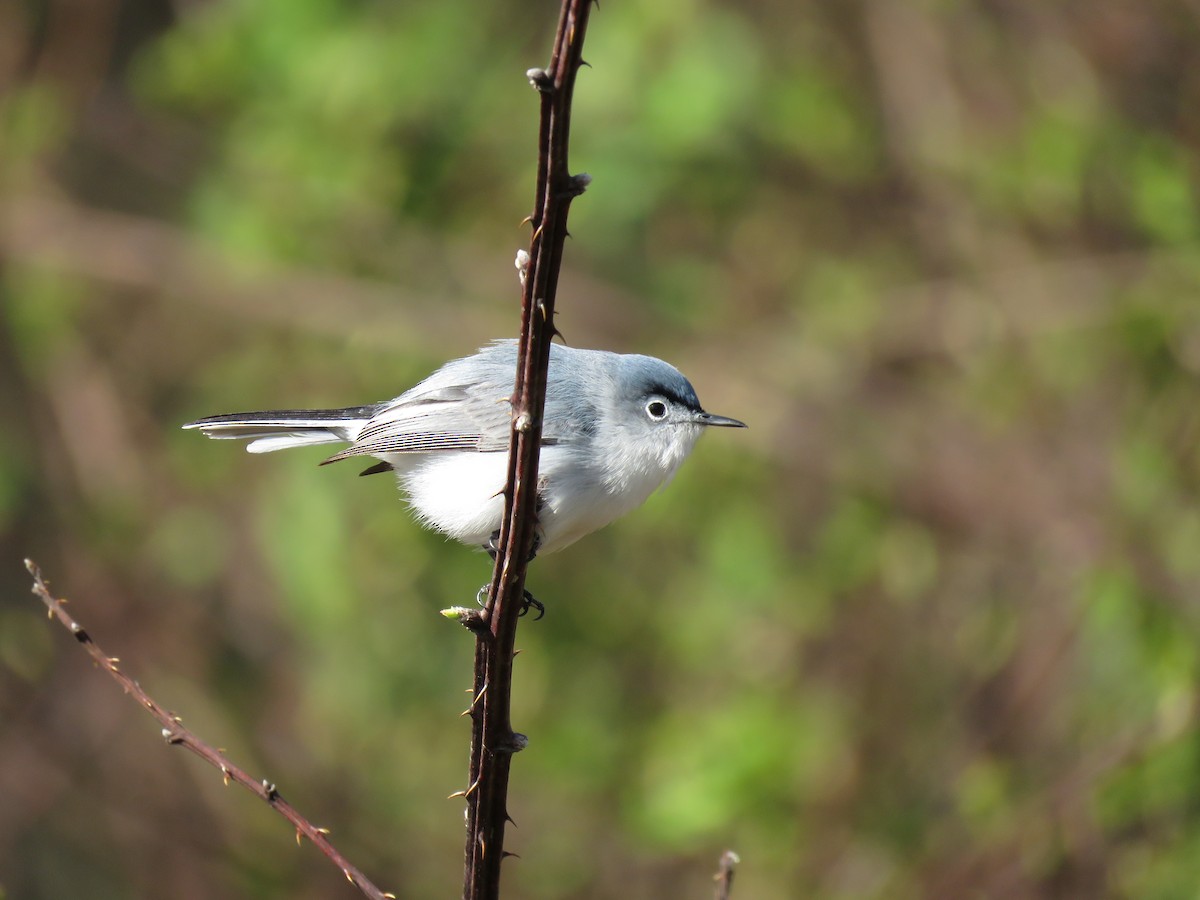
281,429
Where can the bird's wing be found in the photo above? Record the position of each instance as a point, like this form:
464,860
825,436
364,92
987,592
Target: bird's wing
443,417
465,406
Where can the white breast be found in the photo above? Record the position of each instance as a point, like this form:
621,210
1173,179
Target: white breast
582,499
461,493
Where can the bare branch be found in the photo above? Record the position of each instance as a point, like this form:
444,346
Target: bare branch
493,741
175,734
724,876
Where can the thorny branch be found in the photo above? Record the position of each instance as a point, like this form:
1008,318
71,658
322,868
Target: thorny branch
175,734
724,876
493,740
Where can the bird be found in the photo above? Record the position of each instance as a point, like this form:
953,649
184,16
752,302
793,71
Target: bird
616,428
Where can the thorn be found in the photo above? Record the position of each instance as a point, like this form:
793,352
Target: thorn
324,831
470,710
536,234
584,62
527,219
506,854
299,835
467,793
349,877
272,793
225,775
510,819
478,697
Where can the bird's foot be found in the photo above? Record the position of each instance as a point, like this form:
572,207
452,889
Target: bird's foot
528,602
492,546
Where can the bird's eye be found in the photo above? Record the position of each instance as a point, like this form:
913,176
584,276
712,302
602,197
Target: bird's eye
657,410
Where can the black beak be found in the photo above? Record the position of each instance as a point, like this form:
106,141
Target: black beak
703,418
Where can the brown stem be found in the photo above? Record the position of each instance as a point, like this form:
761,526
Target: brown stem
724,876
175,734
493,740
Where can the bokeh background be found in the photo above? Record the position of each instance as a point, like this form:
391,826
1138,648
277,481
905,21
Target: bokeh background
928,629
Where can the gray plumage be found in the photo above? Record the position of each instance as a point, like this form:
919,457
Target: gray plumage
616,427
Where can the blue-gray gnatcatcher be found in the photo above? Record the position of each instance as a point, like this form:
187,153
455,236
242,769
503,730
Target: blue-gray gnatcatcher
616,428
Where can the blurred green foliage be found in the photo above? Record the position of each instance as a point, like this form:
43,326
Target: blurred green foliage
928,629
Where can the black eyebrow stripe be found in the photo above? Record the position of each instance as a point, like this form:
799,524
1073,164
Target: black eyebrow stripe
673,396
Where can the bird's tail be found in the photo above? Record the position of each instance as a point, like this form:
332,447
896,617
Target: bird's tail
279,429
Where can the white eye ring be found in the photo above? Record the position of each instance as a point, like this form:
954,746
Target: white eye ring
657,410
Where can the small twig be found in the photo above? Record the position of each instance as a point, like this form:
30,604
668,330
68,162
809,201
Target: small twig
493,741
175,734
724,876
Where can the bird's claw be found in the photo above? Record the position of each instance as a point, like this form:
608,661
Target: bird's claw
492,545
528,602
